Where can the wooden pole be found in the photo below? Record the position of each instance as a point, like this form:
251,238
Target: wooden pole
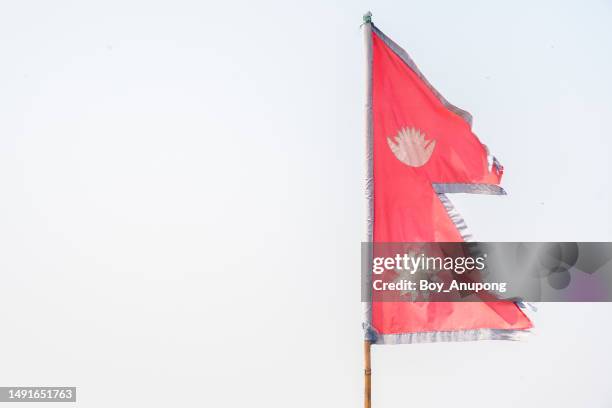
367,36
367,375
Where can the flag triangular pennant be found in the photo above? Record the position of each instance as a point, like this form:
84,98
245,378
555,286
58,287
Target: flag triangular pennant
420,148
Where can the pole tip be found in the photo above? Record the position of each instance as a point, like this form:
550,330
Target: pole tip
367,17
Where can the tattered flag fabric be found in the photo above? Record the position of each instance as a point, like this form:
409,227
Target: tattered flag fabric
420,148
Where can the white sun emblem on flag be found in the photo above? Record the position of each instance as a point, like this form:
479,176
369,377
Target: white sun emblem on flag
411,148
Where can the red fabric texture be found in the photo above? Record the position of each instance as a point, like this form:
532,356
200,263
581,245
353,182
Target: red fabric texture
406,207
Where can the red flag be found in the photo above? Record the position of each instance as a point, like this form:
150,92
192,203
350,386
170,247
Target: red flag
421,147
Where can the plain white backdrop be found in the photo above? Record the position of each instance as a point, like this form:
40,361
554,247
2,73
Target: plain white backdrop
181,197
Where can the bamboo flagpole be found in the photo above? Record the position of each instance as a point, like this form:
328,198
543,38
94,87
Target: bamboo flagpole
367,36
367,397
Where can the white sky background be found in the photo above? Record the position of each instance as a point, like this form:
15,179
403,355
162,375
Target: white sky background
181,197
